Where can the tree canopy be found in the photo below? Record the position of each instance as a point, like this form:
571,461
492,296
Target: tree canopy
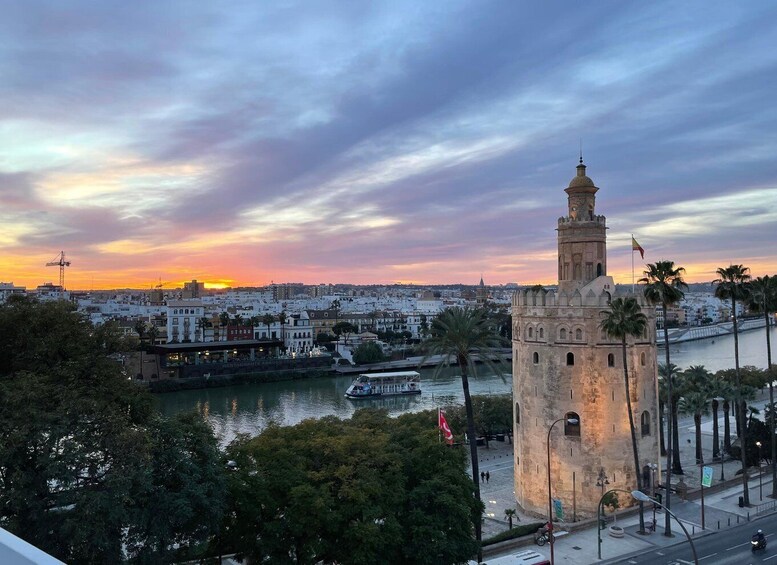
366,490
89,472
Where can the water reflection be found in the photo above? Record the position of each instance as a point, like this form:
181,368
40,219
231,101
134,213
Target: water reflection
251,408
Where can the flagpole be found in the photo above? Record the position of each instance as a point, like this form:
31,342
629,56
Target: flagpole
632,265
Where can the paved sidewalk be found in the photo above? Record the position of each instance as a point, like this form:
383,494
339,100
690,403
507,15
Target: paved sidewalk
580,546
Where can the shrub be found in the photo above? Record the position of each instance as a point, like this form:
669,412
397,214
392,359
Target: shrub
517,532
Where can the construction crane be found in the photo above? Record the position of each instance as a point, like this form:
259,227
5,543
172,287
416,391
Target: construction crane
59,261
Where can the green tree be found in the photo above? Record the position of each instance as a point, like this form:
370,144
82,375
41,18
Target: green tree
625,320
664,285
763,298
368,352
464,335
318,492
344,329
184,496
76,437
731,285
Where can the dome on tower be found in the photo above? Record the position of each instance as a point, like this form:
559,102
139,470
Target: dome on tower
581,180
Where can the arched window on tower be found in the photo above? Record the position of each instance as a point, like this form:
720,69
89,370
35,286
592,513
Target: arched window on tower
599,270
530,332
536,358
572,424
579,334
570,358
610,360
642,358
562,334
541,333
645,421
517,413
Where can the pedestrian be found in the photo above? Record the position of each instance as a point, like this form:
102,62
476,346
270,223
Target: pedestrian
488,476
482,476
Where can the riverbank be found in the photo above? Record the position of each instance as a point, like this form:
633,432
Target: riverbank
221,381
679,335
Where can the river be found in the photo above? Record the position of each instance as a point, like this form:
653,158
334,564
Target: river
250,408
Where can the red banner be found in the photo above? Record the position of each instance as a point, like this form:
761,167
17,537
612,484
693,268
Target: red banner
446,430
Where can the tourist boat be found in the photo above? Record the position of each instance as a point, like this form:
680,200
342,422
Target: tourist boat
385,384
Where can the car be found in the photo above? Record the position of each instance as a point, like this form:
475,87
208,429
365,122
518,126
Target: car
525,557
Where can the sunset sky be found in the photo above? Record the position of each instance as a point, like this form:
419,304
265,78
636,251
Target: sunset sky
373,142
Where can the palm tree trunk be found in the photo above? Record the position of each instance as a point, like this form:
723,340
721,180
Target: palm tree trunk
715,435
637,469
661,410
726,427
697,424
669,426
742,425
677,467
771,401
473,448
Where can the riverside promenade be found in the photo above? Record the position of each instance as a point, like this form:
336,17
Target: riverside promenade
577,542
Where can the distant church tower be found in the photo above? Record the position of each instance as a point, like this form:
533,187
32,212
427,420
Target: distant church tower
565,366
481,293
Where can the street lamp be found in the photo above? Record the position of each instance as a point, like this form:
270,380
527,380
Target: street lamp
574,422
599,510
642,497
722,459
602,480
760,474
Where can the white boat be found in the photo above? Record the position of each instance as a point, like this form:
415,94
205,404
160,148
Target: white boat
377,385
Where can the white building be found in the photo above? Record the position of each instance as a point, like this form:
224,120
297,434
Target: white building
8,289
183,320
298,334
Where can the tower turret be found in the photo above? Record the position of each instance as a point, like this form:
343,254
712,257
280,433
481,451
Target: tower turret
582,235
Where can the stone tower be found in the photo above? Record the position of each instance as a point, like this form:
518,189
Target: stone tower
564,366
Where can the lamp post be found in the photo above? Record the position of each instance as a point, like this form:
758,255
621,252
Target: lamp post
602,480
573,421
760,475
599,514
722,459
642,497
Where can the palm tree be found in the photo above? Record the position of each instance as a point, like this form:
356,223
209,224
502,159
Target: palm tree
223,322
716,388
460,335
625,319
731,284
763,298
664,285
695,403
510,514
663,392
203,323
268,320
282,319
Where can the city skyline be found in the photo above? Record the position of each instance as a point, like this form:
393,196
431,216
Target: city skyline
377,143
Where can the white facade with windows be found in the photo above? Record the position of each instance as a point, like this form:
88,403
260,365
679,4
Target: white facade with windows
183,325
298,334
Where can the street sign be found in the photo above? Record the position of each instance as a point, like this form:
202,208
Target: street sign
558,509
706,477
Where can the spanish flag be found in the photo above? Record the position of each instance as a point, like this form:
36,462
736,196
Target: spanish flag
637,247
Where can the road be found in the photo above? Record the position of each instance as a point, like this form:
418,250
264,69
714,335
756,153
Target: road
730,546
